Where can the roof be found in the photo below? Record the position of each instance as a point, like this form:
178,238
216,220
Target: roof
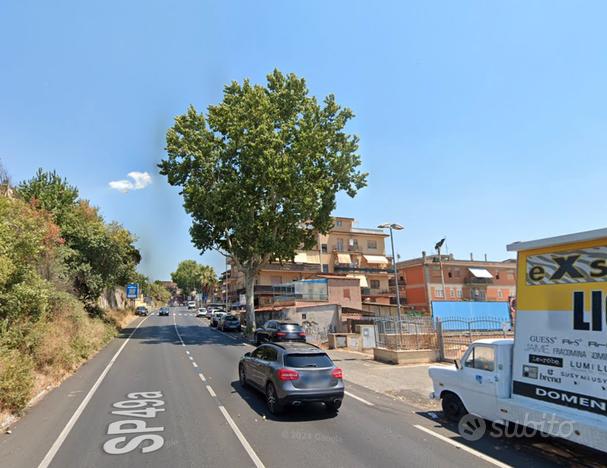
558,240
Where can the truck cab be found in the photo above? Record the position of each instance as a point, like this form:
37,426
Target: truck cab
483,375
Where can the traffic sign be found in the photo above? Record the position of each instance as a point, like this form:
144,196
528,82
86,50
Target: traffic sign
132,290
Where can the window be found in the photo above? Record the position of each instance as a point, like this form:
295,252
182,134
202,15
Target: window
374,284
372,244
482,358
325,268
449,274
354,244
457,272
308,360
338,223
323,248
500,294
269,354
460,293
340,244
451,292
257,353
347,293
438,292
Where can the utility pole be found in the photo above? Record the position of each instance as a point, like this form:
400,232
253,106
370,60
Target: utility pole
396,227
440,262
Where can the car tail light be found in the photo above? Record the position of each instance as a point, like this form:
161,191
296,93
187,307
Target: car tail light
302,333
281,334
287,374
337,373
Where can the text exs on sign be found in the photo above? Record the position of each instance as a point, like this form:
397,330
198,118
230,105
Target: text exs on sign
575,266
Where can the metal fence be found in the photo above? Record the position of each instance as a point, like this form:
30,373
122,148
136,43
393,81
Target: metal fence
450,336
455,334
408,333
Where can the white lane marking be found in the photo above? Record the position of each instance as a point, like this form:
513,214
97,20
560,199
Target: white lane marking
48,458
202,377
177,331
194,364
187,352
241,438
191,358
368,403
463,447
211,391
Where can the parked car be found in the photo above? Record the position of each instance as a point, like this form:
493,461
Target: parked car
216,317
191,305
141,310
229,322
202,312
292,373
163,311
274,330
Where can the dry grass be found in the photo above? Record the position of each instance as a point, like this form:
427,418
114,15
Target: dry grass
47,352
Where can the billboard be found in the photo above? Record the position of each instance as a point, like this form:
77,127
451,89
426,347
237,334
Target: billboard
560,351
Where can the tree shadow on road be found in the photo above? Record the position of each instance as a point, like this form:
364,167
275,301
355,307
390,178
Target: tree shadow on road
305,412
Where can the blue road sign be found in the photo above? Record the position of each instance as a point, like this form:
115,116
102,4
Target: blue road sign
132,290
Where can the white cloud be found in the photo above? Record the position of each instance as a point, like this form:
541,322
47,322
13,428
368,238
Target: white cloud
140,181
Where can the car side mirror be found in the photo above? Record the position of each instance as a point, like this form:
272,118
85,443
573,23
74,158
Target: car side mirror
247,354
457,364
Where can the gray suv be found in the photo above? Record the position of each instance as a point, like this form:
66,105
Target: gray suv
292,373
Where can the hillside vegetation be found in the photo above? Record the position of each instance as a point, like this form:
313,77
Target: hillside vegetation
57,256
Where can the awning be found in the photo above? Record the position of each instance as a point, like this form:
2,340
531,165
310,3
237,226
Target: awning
344,258
376,259
480,273
301,257
362,278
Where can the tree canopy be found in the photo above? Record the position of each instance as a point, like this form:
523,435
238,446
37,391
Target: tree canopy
191,275
260,167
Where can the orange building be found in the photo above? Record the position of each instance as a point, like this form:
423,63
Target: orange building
421,280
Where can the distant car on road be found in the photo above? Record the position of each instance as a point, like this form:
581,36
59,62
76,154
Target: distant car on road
290,374
191,305
164,311
228,323
141,310
274,330
202,312
216,317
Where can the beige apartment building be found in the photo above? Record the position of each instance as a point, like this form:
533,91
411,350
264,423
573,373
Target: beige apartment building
346,250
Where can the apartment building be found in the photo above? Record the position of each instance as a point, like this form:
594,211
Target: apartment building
346,250
421,280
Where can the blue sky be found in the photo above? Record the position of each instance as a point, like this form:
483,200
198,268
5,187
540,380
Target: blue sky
480,121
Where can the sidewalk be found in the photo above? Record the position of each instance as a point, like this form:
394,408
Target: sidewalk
409,383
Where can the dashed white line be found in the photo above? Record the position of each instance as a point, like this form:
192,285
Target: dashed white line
241,438
187,352
202,377
191,358
463,447
48,458
368,403
211,391
194,364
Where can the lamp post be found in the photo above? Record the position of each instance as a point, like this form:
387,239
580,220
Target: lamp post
395,227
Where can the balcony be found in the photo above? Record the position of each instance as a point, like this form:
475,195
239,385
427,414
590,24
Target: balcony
358,269
472,280
375,292
307,267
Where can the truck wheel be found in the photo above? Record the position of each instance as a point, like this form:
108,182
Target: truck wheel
453,408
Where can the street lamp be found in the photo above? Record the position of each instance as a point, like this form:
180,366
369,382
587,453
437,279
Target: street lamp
394,227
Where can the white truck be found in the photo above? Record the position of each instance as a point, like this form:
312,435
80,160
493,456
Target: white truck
553,376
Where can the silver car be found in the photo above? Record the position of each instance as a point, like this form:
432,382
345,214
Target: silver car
292,373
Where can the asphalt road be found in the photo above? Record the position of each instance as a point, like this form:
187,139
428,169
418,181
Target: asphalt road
170,388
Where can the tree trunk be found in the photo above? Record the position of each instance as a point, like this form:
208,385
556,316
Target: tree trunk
249,283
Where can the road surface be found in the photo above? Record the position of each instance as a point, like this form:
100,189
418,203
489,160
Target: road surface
169,387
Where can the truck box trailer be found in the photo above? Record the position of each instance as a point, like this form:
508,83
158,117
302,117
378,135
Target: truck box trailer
553,376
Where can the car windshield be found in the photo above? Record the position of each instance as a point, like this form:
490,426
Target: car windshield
308,360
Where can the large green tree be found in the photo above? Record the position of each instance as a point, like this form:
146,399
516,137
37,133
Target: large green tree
191,275
261,168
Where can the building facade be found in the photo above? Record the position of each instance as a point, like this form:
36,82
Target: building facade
430,278
345,250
